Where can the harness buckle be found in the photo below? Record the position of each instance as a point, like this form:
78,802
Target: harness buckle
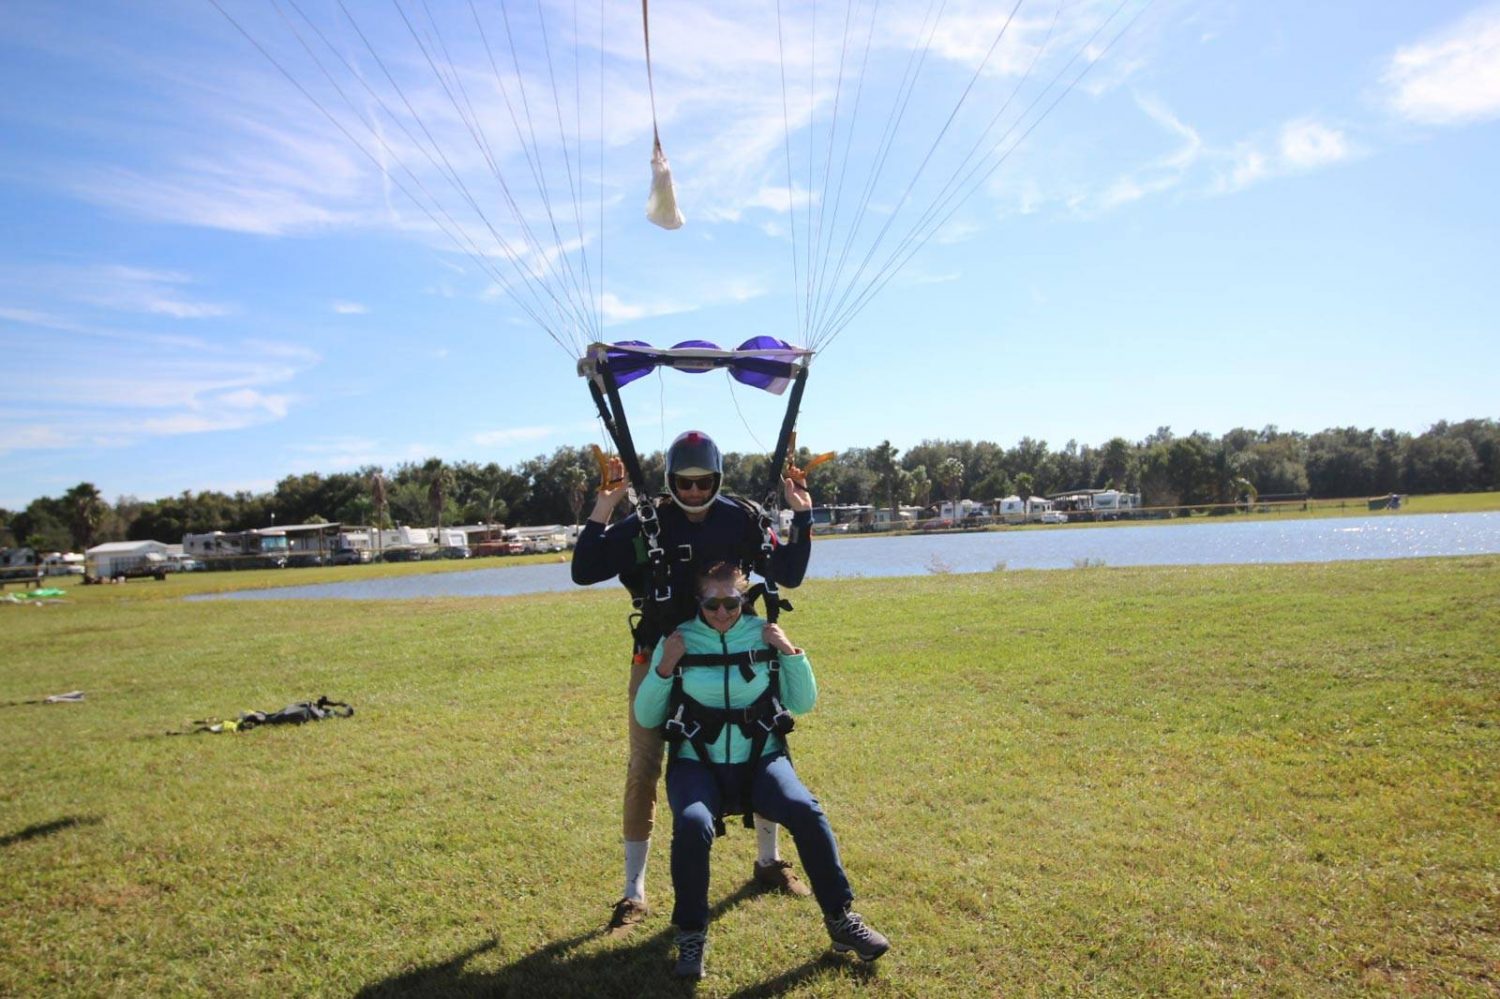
676,729
662,594
684,553
781,719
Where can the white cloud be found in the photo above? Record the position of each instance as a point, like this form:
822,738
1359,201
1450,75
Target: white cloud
513,435
116,288
1307,144
1299,146
108,386
618,311
1451,77
350,309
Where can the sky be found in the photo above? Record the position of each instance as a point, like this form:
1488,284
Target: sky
247,239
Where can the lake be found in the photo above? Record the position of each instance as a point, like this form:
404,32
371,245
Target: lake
1213,542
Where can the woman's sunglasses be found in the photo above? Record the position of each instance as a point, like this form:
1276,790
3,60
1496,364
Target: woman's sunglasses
721,603
702,483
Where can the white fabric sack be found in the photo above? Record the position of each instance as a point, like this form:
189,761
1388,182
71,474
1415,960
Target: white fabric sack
661,206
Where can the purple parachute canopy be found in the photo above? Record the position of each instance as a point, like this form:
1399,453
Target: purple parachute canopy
761,362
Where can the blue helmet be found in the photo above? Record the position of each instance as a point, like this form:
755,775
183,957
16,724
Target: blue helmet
694,455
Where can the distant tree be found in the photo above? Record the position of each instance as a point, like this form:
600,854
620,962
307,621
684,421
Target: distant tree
921,486
951,474
887,475
1024,484
1441,462
577,483
1115,460
440,483
86,511
378,500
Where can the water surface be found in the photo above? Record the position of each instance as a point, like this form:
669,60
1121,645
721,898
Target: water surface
1224,542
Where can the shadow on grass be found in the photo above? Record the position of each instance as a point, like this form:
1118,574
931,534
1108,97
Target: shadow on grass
41,829
640,967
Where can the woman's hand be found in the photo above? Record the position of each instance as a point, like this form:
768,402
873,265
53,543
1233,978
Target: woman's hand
611,492
672,651
773,636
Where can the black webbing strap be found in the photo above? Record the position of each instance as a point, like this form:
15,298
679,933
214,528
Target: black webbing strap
612,412
773,497
744,660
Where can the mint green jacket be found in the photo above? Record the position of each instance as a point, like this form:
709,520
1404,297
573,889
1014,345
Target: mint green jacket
723,686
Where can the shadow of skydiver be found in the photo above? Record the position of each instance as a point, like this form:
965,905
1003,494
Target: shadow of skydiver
40,829
641,967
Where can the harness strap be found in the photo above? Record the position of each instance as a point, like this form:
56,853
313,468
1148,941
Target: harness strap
700,726
744,660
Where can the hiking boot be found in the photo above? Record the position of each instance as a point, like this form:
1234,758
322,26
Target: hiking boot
849,932
628,913
690,948
779,876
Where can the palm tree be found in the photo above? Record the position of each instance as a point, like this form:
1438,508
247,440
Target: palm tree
951,474
86,509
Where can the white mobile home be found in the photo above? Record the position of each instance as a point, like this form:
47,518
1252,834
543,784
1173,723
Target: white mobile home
117,558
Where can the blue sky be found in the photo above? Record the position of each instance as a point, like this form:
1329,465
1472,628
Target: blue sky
1243,213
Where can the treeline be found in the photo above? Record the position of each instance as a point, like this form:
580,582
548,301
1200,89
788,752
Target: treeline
1166,469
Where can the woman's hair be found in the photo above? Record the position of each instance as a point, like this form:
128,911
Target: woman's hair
723,572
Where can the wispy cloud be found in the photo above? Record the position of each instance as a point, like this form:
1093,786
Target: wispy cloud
1297,147
117,386
350,309
1451,77
116,288
514,435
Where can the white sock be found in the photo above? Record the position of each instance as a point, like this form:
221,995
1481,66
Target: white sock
636,852
765,841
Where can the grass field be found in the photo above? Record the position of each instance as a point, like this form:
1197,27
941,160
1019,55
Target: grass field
1273,781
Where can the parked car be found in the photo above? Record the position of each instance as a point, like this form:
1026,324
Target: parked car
349,556
1054,517
402,553
303,560
454,551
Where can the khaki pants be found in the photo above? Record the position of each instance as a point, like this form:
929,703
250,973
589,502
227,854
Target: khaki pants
643,772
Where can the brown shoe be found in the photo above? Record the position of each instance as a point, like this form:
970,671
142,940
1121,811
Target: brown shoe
778,876
627,915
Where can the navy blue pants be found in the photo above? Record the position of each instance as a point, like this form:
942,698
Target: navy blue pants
777,794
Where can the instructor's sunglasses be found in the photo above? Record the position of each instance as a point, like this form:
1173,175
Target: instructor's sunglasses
702,483
721,603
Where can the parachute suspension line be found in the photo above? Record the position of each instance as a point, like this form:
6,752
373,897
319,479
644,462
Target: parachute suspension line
812,140
819,251
532,156
927,158
939,202
791,207
600,300
588,278
734,396
532,150
455,233
650,80
447,167
958,198
562,138
914,63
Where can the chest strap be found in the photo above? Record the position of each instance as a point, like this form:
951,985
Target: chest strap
744,660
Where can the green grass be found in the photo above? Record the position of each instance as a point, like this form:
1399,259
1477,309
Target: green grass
1274,780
